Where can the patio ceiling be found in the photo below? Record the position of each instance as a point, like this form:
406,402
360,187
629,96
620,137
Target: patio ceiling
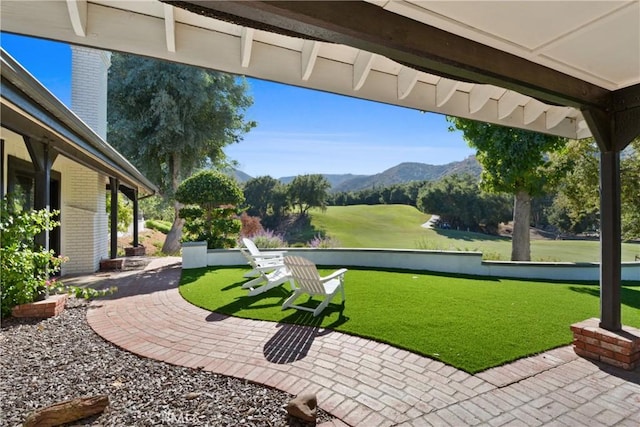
527,64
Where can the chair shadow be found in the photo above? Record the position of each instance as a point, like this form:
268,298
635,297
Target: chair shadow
297,332
248,303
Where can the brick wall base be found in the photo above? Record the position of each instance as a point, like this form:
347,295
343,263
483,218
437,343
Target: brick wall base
111,264
620,348
52,306
135,251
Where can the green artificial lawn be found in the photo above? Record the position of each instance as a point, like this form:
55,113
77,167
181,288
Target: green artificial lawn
472,323
399,227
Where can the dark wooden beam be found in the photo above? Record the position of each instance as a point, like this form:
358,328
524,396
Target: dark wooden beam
612,131
132,194
610,241
113,186
371,28
42,157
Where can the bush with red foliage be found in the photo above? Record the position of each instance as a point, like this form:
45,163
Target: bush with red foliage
250,225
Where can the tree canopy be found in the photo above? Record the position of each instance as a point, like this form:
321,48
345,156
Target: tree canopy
308,191
459,203
514,161
170,119
576,207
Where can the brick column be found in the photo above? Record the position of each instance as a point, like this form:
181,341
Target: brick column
620,348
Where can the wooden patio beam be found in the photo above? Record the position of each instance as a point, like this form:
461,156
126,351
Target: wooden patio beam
409,42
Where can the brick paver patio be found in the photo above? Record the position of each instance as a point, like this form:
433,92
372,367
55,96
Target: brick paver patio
361,382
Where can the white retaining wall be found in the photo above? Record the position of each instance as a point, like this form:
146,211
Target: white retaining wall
196,255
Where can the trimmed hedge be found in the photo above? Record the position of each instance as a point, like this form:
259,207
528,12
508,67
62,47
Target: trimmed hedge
159,225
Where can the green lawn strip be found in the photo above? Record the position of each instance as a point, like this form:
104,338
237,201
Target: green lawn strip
472,323
399,226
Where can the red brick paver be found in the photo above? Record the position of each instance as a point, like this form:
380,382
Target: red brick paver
359,381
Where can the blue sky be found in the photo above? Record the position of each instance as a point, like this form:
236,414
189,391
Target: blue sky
299,130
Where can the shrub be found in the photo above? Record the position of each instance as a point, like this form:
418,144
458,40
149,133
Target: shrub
211,198
158,225
26,269
324,242
268,240
250,225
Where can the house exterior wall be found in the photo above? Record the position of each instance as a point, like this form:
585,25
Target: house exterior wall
89,69
83,217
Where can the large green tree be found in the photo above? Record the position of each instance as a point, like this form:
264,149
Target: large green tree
459,202
578,193
170,119
514,161
259,195
308,191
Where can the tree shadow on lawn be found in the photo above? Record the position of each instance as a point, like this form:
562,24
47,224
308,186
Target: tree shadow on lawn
629,297
469,236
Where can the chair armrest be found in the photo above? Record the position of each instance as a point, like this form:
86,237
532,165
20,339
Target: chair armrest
262,257
272,253
333,275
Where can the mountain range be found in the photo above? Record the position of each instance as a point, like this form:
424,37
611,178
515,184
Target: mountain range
399,174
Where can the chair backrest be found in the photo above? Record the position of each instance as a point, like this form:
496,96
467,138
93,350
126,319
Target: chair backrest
253,249
305,273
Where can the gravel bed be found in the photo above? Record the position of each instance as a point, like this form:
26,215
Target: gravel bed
61,358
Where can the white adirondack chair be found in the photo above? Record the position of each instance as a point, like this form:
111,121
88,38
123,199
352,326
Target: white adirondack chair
268,269
261,259
305,279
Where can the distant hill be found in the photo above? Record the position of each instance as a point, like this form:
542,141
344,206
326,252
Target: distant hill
239,176
334,179
400,174
407,172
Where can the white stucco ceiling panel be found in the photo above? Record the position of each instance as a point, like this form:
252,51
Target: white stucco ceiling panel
523,23
530,29
603,59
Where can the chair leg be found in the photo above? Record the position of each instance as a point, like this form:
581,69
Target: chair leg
323,304
291,299
253,283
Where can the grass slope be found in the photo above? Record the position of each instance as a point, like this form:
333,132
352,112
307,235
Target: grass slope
399,226
470,323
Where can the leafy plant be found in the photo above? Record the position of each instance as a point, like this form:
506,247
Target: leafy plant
159,225
250,225
324,242
125,212
211,198
25,268
267,239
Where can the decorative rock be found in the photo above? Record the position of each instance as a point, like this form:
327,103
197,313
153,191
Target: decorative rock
192,395
303,406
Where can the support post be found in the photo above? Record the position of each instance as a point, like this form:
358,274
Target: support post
610,241
42,157
114,184
613,129
135,218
